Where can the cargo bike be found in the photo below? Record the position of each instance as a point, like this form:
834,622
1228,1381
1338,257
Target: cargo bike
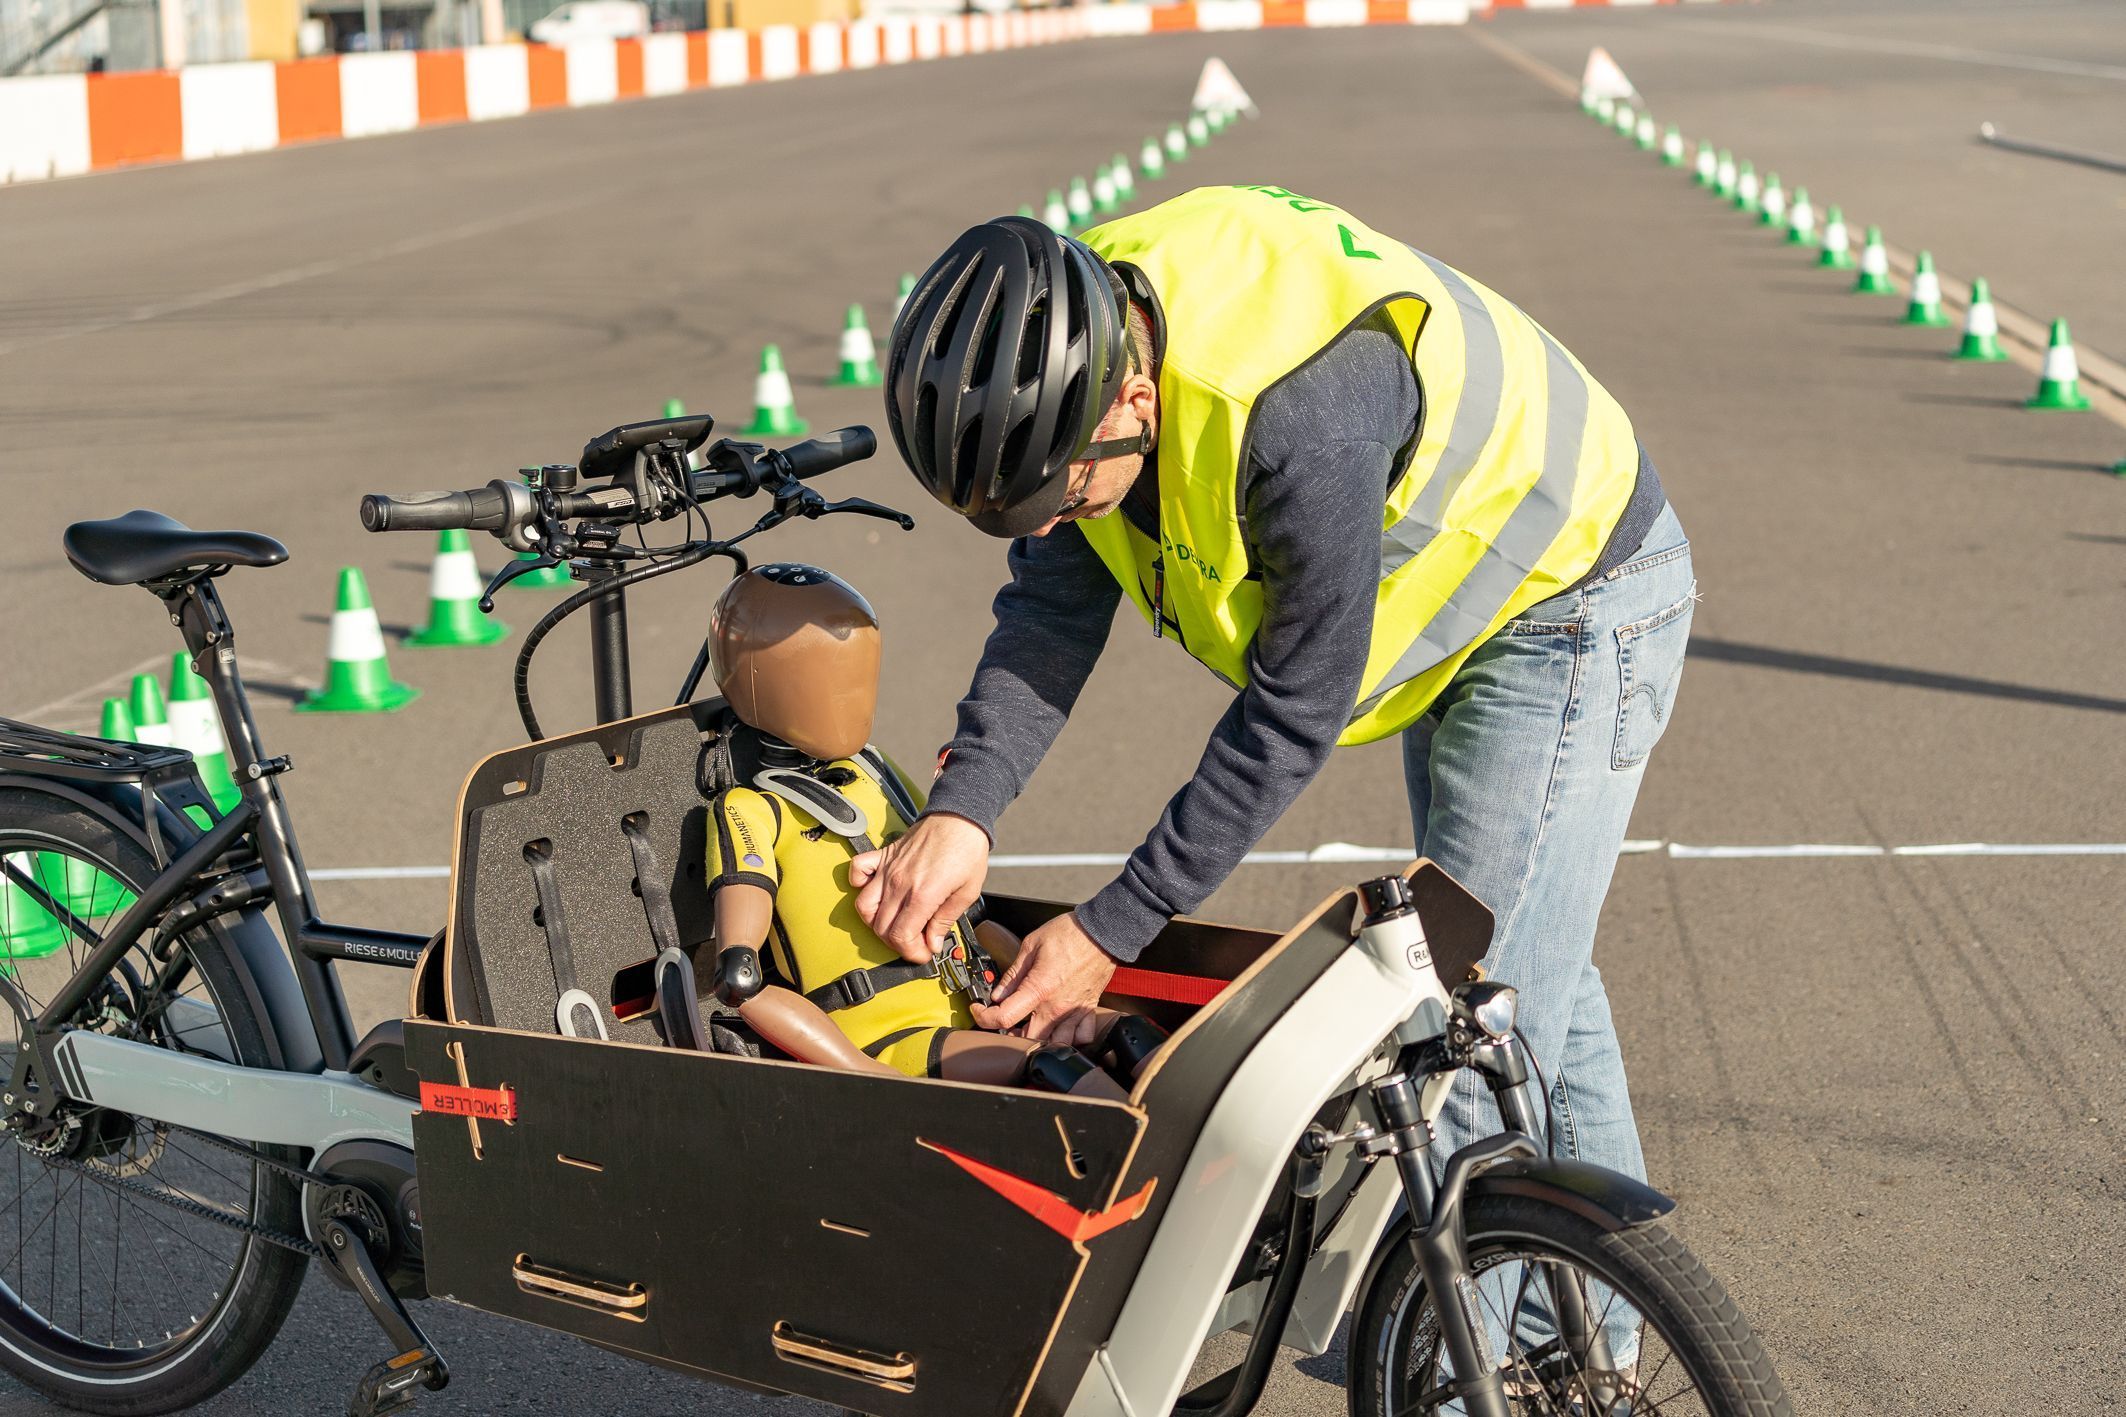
193,1120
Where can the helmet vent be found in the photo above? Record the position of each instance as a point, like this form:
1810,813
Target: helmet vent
985,353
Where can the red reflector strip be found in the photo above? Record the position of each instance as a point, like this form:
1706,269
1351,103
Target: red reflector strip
1045,1205
483,1104
1167,988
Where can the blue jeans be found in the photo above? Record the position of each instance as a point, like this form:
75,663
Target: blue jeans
1522,778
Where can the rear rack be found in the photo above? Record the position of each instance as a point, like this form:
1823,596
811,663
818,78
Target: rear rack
50,753
167,776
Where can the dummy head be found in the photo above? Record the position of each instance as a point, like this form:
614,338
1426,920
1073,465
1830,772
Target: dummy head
795,652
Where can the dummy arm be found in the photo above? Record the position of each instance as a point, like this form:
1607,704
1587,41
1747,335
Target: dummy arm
784,1017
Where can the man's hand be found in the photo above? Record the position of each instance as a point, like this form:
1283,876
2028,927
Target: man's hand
911,892
1051,989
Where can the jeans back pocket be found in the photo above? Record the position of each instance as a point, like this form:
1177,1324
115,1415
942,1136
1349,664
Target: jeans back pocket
1649,667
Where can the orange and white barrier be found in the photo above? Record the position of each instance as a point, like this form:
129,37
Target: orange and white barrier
65,125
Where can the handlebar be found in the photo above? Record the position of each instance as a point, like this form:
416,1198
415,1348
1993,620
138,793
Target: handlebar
479,509
503,507
830,451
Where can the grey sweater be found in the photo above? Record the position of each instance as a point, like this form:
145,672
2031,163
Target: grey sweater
1325,444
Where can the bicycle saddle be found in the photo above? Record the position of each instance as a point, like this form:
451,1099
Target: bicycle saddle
148,546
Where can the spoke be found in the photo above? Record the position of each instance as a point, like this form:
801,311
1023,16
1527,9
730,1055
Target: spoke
24,1242
151,1213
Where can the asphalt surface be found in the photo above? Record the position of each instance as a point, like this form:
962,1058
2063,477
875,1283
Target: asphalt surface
1883,1089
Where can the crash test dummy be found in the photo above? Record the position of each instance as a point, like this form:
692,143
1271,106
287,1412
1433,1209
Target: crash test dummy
795,652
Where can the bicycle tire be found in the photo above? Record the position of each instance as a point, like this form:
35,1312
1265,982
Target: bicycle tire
1646,1264
264,1278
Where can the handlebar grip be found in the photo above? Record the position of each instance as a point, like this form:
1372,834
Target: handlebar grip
830,451
481,509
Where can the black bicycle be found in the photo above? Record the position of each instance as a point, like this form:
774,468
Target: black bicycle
193,1119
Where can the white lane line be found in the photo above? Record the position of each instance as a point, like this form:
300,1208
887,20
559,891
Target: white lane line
1918,49
1344,853
293,275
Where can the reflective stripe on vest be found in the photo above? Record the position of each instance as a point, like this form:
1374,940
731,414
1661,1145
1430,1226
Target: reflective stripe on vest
1521,470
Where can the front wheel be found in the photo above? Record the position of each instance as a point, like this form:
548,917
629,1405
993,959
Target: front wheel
1695,1352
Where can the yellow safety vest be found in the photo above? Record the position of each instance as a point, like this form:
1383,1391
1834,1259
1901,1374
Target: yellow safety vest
1522,467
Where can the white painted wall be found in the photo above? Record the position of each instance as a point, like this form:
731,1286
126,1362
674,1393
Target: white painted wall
379,93
44,127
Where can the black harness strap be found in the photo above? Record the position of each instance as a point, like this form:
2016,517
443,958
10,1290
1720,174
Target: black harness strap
981,968
861,986
880,1045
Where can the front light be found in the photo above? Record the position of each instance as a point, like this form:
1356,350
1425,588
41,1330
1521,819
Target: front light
1490,1006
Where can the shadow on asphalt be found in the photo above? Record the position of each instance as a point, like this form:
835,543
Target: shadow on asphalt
1764,657
2051,465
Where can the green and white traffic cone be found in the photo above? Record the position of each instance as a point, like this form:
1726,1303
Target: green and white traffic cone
2059,388
774,406
1747,191
1724,176
1772,206
196,727
546,577
1672,147
1800,219
27,929
150,711
1125,182
357,675
1152,160
1199,131
1874,276
85,891
1625,119
117,725
859,356
1925,305
1589,102
1055,213
1981,326
1176,144
908,281
1837,253
1079,203
1605,111
1025,210
454,588
674,408
1707,167
1103,192
1648,134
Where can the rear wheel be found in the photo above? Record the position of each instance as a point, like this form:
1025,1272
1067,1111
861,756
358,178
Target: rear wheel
111,1301
1696,1352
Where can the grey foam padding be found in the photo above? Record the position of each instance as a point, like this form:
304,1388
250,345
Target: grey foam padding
574,797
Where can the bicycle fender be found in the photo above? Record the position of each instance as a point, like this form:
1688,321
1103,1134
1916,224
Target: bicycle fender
291,1038
1596,1194
1607,1198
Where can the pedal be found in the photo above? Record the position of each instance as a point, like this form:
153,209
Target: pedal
394,1382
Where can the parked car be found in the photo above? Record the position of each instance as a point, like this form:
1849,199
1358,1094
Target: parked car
593,19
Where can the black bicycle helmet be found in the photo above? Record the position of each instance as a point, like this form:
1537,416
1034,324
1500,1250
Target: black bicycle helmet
1002,363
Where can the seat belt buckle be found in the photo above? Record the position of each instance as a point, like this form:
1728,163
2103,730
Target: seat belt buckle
959,974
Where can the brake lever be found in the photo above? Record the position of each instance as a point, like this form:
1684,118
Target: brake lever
864,507
512,569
